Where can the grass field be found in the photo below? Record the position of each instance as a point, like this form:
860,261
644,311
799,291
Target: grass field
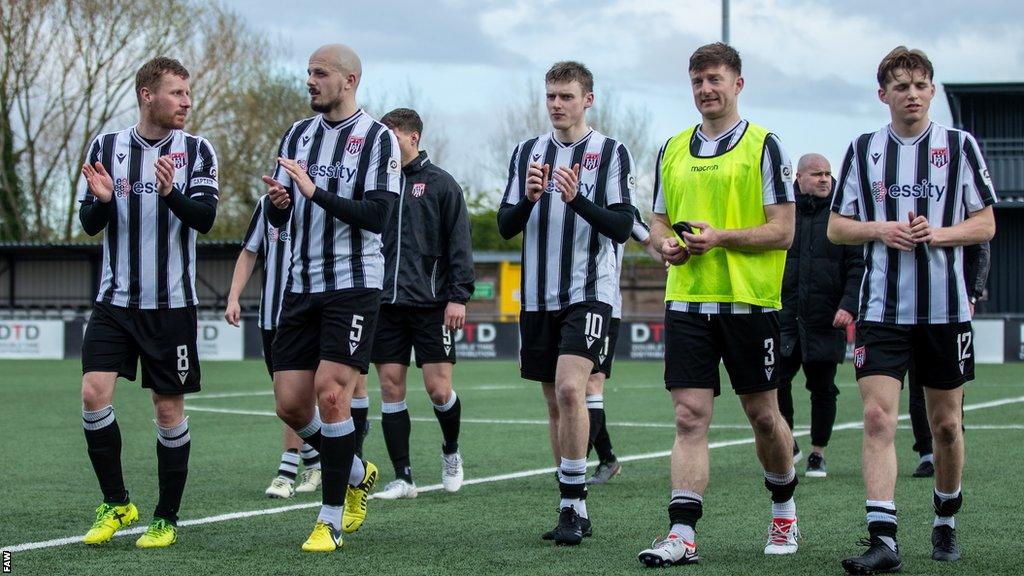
493,525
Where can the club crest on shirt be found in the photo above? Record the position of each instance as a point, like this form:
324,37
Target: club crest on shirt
179,159
354,144
878,190
860,355
591,160
418,189
939,157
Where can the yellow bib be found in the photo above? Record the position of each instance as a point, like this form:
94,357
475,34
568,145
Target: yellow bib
726,192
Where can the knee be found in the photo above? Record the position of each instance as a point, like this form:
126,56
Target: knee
439,395
568,396
764,423
691,421
169,414
391,391
946,430
96,393
877,422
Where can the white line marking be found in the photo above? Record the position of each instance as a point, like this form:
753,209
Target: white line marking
538,422
484,480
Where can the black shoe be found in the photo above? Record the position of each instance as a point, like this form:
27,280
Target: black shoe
944,548
585,525
569,531
797,454
925,470
816,467
877,559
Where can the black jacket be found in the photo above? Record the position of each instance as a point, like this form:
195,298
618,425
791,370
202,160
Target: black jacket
820,278
428,255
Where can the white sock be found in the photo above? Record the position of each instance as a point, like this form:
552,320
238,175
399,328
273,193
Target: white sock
357,473
331,515
683,532
785,509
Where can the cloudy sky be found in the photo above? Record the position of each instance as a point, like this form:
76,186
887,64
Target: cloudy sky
809,65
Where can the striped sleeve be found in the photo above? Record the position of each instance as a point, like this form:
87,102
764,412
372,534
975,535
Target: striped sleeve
92,156
515,184
621,181
203,180
846,200
280,174
385,164
641,231
776,173
976,182
659,192
253,240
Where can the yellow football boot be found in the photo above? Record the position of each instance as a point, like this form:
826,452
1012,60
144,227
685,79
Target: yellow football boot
324,538
160,534
355,499
109,519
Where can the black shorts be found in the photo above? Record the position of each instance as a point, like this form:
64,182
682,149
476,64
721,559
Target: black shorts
748,345
401,328
578,330
335,326
164,340
268,349
943,354
607,354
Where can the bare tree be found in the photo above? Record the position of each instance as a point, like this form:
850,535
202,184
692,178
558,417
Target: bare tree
434,139
630,124
67,73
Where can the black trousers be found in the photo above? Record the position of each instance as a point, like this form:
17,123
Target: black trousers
821,382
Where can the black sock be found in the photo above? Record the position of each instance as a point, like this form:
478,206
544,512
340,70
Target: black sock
336,452
360,412
103,439
289,465
395,425
310,457
172,449
596,421
449,416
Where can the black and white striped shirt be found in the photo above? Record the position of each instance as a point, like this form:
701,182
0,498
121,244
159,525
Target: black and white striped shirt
149,255
348,159
940,174
275,246
641,233
565,260
776,188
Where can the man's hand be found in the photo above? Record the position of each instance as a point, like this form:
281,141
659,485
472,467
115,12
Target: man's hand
842,319
455,316
233,312
673,252
567,182
896,235
100,183
920,229
537,180
702,243
298,176
279,195
164,175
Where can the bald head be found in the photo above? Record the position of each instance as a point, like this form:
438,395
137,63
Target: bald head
814,175
334,73
339,57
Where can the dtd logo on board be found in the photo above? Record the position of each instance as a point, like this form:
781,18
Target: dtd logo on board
19,332
646,340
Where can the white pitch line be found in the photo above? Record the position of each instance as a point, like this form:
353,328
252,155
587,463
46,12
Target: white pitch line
536,422
484,480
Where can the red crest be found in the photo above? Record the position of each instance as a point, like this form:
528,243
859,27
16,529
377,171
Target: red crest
179,159
354,145
860,355
878,190
418,189
591,160
939,157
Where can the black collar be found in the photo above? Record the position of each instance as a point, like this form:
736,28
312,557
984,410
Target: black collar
418,163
